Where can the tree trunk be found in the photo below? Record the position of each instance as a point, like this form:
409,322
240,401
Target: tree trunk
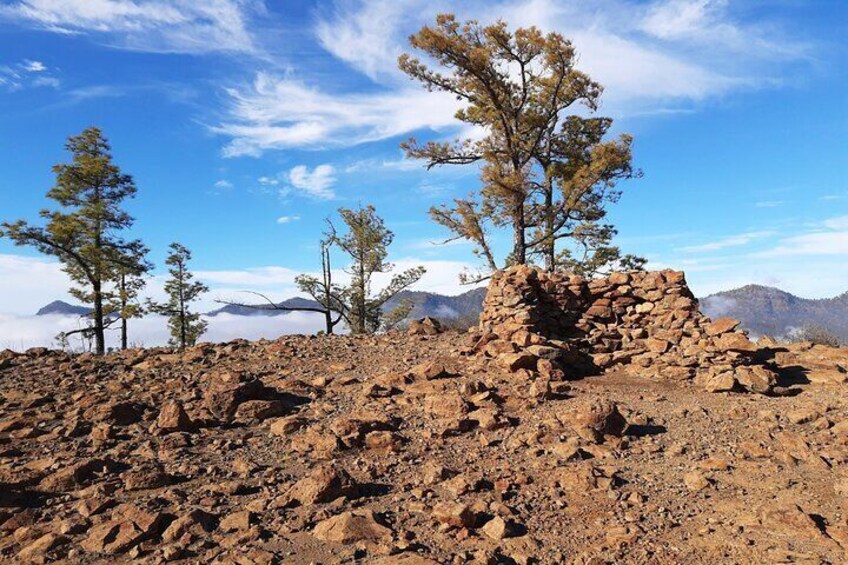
182,312
328,282
99,331
519,250
549,246
361,298
123,312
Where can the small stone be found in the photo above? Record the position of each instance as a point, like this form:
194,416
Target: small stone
353,527
695,481
238,521
454,514
173,418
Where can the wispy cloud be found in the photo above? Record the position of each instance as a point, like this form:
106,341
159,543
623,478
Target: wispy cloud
653,57
26,74
737,240
287,219
34,66
177,26
280,112
770,203
830,237
316,183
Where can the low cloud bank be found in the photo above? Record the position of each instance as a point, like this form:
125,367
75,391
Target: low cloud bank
22,332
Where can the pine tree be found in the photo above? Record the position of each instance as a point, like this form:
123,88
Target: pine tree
84,232
366,242
185,326
546,176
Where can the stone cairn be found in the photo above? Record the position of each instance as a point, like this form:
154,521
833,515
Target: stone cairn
648,323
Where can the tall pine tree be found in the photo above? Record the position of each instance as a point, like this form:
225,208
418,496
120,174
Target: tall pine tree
84,233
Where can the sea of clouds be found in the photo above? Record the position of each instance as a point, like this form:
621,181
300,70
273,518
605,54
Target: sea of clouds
22,332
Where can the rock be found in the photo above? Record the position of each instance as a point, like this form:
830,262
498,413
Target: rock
454,514
288,425
324,484
597,418
722,382
75,475
755,378
353,527
515,361
173,418
497,529
39,549
404,559
115,413
432,370
735,342
789,521
238,521
802,416
721,326
695,481
112,537
196,522
425,326
449,405
228,389
146,476
258,410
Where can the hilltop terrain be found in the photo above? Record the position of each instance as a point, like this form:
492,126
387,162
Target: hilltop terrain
408,449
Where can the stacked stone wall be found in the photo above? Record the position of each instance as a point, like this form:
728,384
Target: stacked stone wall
644,322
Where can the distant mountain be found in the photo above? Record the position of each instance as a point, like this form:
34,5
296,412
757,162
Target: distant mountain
467,304
764,310
462,306
264,309
63,308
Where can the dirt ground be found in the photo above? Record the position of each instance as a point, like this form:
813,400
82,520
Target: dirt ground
403,449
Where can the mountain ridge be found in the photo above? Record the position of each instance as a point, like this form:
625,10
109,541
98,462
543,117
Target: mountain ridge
766,310
763,310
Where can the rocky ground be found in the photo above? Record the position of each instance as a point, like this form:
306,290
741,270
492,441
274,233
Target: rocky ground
405,449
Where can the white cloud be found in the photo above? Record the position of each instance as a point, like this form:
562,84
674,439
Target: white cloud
21,332
770,203
26,74
706,22
287,219
651,58
839,223
223,184
268,181
279,112
807,261
361,35
180,26
20,295
730,241
316,183
254,277
34,66
820,243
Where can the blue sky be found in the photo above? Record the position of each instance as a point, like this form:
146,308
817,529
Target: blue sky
246,123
